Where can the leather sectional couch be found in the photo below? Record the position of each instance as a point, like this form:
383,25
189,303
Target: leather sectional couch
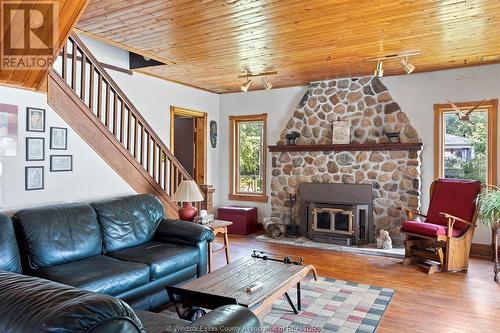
113,254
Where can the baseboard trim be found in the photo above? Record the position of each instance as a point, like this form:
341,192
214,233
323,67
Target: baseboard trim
481,250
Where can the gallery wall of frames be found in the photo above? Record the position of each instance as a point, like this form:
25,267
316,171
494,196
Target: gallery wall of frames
46,146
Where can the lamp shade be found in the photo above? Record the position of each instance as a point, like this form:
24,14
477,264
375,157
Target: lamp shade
188,191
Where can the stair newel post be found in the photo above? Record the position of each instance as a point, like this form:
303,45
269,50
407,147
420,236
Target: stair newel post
207,203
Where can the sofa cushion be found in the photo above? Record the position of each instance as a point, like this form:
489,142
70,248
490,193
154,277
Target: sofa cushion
162,258
30,304
100,274
58,234
128,221
428,229
456,197
9,253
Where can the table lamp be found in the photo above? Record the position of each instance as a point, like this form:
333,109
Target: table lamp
187,192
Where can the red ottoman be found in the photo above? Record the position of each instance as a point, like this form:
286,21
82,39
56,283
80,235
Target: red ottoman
244,219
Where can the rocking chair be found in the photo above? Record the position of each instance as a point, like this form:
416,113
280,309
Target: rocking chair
442,242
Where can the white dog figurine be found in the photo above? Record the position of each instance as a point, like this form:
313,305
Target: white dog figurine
384,241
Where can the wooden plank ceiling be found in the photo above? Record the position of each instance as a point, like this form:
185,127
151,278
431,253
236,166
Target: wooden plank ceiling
207,44
69,11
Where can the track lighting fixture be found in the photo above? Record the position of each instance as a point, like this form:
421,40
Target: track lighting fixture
244,87
407,65
379,72
405,62
265,81
267,84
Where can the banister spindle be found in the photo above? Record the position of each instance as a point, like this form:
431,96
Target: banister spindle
83,76
91,87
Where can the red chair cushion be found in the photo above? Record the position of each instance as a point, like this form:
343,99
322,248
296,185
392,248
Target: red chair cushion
456,197
428,229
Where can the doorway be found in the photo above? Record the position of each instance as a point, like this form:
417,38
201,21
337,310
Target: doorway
188,141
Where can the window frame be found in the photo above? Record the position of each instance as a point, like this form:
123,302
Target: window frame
492,108
233,155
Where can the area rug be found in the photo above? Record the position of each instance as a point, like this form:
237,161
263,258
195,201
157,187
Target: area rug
330,305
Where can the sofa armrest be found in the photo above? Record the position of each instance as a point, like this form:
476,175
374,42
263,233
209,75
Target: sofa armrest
228,318
185,232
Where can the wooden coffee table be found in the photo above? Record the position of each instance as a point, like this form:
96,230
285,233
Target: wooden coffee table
227,285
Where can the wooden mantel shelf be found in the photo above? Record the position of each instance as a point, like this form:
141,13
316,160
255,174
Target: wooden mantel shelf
348,147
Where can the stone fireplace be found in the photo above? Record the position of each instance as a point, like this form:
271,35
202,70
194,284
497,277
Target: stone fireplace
391,171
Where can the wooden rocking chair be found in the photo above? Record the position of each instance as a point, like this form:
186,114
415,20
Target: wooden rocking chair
442,242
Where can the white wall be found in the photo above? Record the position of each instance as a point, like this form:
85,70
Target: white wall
416,94
279,105
91,178
153,98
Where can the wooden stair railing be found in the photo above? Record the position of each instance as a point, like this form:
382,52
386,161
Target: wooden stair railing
112,126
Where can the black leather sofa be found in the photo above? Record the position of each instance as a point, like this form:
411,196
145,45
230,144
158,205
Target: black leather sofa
116,253
121,247
34,305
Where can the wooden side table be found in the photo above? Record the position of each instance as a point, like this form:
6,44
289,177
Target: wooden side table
218,227
494,244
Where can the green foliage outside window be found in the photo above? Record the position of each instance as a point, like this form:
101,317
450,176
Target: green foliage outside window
250,156
476,136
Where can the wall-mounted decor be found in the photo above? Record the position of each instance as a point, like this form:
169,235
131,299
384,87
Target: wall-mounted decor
33,178
8,130
341,132
35,149
58,138
61,163
393,136
291,138
213,133
35,120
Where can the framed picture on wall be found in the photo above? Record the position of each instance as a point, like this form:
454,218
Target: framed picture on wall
35,120
58,138
35,149
33,178
61,163
8,130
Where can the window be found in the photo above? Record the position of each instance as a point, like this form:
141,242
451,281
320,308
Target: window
466,149
248,158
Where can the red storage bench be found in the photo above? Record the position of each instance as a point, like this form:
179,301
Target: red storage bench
244,219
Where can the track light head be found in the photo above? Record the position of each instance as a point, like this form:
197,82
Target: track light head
244,87
267,84
407,65
379,72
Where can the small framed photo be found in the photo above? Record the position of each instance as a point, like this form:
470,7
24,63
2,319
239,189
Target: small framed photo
58,138
35,149
33,178
61,163
35,120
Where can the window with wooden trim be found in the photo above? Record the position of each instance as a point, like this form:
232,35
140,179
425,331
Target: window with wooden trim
248,157
466,142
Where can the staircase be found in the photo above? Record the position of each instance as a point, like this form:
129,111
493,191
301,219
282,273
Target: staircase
88,99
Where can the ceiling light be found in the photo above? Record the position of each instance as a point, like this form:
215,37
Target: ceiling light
244,87
407,65
267,84
379,72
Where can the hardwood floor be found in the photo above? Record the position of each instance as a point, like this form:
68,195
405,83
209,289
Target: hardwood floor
442,302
